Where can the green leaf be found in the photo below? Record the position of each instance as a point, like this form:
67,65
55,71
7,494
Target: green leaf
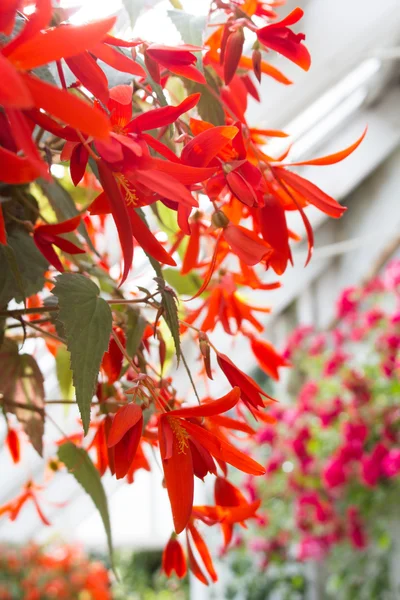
13,266
168,300
82,468
209,107
22,272
190,27
64,373
63,205
134,331
87,322
21,385
183,284
170,313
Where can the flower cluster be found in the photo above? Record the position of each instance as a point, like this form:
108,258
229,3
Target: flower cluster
64,572
333,464
170,160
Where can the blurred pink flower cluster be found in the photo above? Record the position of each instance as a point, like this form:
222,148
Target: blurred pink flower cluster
333,459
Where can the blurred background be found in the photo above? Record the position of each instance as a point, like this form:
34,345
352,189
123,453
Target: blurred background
353,82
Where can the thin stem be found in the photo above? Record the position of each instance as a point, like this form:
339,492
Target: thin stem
16,404
191,378
124,352
87,146
45,333
20,312
188,325
36,322
61,74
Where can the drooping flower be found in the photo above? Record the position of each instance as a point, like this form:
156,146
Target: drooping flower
267,357
173,558
13,507
124,437
278,37
250,392
47,236
184,443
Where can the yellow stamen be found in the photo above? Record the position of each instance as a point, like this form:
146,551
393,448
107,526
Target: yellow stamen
130,192
180,434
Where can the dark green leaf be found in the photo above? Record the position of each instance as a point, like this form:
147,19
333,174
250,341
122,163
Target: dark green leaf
170,313
134,331
24,275
87,322
209,106
13,266
78,463
183,284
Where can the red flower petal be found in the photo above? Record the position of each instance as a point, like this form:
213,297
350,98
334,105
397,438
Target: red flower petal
120,214
147,240
16,169
178,473
13,91
205,146
210,409
246,244
124,419
159,117
90,75
67,107
117,60
60,42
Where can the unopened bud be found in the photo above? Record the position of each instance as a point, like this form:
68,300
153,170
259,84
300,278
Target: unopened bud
256,59
219,219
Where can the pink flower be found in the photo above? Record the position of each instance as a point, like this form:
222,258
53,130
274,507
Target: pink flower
317,345
372,465
307,394
334,473
329,415
299,446
360,387
266,435
355,431
391,463
352,450
373,317
274,462
311,508
312,548
347,303
259,545
356,530
296,340
392,275
338,337
337,360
